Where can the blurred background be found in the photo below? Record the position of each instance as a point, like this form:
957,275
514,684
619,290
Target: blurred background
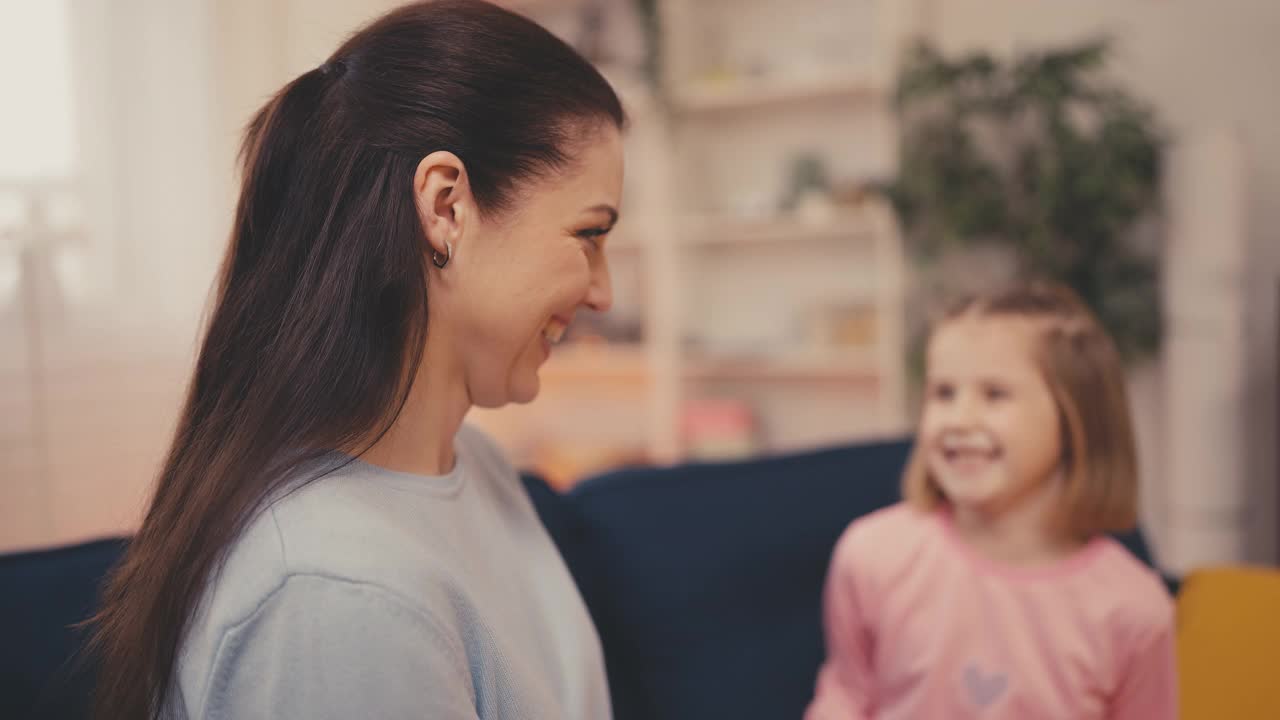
805,180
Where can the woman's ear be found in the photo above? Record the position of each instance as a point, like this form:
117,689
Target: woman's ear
445,203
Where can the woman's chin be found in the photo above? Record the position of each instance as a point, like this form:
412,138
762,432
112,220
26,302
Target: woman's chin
525,389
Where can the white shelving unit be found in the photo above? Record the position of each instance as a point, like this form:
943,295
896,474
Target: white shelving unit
730,288
754,86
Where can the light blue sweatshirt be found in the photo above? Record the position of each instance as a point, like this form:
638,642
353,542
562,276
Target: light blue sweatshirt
374,594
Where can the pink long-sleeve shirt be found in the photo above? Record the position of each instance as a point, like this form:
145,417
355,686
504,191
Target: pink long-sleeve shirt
920,626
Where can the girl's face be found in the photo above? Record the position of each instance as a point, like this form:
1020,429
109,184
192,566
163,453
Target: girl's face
515,282
990,428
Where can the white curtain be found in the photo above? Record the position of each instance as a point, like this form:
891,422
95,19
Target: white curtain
98,324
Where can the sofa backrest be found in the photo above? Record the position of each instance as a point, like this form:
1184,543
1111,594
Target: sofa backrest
42,596
705,579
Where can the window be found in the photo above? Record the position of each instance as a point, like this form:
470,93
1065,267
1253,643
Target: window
39,152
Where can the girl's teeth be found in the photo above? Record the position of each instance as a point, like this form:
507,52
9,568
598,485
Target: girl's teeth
969,447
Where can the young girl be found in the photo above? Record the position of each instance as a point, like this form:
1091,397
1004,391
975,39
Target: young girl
994,590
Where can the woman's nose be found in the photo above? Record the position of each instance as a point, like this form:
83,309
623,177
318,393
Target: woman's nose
600,291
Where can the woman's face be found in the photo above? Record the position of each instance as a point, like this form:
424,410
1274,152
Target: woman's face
515,281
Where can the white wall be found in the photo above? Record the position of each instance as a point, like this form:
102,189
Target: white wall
1205,66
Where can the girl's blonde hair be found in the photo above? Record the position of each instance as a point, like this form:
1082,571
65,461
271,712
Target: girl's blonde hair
1080,364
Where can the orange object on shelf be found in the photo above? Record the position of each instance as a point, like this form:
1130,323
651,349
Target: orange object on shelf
563,464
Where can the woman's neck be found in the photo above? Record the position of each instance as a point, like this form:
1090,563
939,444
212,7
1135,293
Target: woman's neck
1019,532
420,441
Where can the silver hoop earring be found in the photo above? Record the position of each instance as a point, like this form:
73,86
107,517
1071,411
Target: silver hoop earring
436,256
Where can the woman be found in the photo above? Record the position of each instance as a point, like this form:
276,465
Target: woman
420,217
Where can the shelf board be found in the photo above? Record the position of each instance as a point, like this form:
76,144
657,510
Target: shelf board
597,362
714,231
842,366
629,363
538,6
748,94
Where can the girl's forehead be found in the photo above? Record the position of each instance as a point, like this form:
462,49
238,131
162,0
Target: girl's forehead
983,342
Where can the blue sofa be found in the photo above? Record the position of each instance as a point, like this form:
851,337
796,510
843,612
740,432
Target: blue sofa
42,595
704,580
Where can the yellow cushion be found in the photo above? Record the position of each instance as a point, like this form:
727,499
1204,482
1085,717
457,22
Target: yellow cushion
1229,644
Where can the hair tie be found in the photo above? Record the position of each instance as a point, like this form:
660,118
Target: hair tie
334,67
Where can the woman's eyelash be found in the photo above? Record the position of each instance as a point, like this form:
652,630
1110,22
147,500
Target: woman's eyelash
593,235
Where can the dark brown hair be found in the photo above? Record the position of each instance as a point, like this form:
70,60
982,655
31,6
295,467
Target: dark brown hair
320,314
1082,368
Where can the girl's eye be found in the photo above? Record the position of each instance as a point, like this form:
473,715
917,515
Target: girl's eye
996,393
942,392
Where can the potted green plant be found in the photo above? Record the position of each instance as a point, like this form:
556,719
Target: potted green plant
1039,161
